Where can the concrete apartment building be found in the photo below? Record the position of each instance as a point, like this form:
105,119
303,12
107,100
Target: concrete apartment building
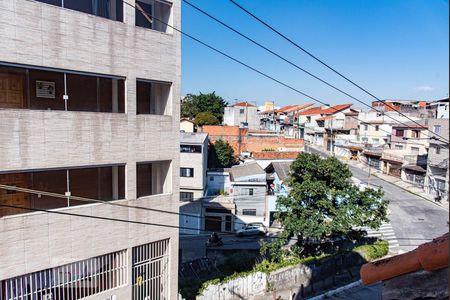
89,108
437,176
193,165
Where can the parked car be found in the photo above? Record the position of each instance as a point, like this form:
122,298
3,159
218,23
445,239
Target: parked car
252,229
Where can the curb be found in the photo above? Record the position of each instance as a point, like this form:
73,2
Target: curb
338,290
418,195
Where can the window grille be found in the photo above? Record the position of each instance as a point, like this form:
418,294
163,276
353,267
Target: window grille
150,270
69,282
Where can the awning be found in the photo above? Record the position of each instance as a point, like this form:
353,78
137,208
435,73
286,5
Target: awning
415,168
372,153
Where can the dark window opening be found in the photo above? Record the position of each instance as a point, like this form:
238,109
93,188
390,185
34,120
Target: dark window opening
399,132
46,90
152,178
97,183
187,172
109,9
249,212
186,196
250,192
156,16
152,98
190,149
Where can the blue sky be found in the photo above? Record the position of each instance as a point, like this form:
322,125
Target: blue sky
397,49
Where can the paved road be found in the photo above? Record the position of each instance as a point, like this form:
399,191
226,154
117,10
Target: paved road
414,219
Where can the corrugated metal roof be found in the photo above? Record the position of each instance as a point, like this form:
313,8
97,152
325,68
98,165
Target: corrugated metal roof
246,169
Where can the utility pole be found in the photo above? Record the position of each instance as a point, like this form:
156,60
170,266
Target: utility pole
246,112
368,177
273,116
331,125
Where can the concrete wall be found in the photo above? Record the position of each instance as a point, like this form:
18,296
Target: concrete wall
197,161
233,116
38,34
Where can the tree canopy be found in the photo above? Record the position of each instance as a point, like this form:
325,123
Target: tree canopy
221,155
192,105
323,202
205,118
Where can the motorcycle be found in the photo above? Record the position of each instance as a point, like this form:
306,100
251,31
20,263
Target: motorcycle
214,241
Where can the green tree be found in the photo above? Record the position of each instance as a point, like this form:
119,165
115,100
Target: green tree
205,118
194,104
322,202
221,155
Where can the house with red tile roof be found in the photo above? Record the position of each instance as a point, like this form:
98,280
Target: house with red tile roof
283,119
324,124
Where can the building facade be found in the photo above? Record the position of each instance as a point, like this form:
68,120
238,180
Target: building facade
89,110
437,176
242,114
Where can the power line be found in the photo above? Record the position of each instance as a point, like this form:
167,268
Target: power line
90,200
150,18
326,65
282,58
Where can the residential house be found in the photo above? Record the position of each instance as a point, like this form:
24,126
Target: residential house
89,111
315,124
437,176
187,125
193,165
277,175
440,107
248,190
282,120
407,157
398,105
242,114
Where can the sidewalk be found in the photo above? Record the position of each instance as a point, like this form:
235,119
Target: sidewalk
398,182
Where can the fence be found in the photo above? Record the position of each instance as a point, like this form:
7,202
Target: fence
415,179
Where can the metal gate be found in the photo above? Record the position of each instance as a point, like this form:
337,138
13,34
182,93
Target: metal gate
150,268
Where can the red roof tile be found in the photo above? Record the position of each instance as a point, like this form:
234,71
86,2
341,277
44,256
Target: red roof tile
245,104
325,118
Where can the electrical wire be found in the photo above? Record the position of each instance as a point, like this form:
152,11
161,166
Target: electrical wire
328,66
150,19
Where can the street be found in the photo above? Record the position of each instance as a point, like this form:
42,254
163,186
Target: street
414,220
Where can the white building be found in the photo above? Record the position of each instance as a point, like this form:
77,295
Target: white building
89,108
242,114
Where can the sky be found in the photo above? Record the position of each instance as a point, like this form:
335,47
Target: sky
396,49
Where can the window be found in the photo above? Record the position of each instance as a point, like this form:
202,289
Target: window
399,132
415,150
152,98
398,147
211,178
437,129
190,149
157,14
187,172
437,150
377,127
150,271
364,139
55,90
415,133
90,277
110,9
98,183
250,192
376,141
186,196
241,111
249,212
153,178
366,127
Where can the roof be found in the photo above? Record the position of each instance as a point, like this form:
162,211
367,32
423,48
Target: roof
282,169
192,137
420,124
429,256
247,169
324,111
244,104
186,120
415,168
293,107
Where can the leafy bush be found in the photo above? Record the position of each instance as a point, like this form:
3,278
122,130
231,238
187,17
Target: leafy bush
374,251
